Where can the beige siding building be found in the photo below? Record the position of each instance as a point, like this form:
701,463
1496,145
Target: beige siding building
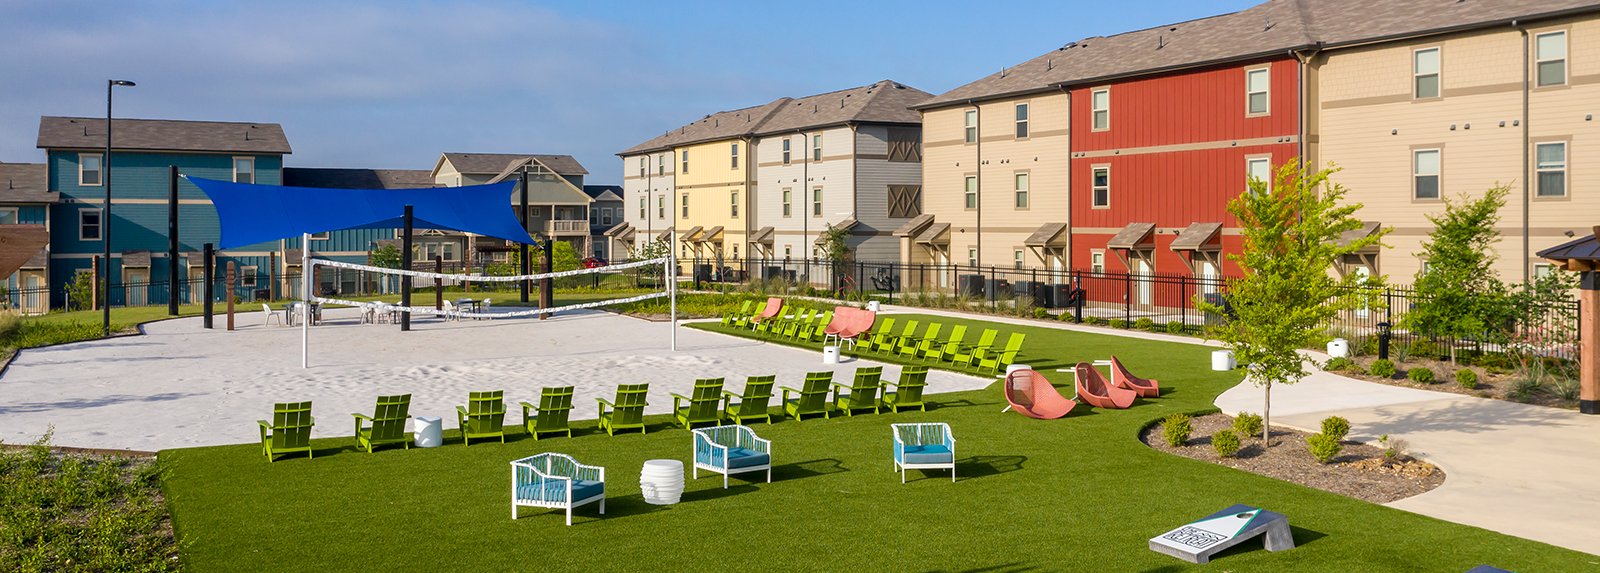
558,207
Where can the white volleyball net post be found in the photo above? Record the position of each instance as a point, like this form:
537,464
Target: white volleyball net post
311,296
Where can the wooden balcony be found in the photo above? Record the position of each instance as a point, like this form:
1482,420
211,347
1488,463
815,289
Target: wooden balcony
567,228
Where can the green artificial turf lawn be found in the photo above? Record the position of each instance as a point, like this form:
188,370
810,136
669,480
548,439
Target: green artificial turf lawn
1076,494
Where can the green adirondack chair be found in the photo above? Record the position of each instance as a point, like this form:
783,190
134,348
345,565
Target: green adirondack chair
703,402
880,335
947,350
555,405
628,412
964,353
812,397
731,318
908,391
813,331
774,322
753,404
792,327
388,423
290,430
914,347
893,341
863,391
484,416
993,361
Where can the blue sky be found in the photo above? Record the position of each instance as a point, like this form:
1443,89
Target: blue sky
392,84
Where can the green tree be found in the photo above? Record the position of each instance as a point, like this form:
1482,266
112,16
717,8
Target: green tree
386,256
834,244
1288,295
1458,294
656,249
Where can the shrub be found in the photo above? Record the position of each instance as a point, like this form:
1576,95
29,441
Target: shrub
1066,316
1175,429
1144,324
1467,378
1382,368
1225,442
1119,323
1247,424
1420,375
1090,319
1335,427
1041,313
1368,346
1323,447
1424,349
811,291
1175,327
1340,363
1393,447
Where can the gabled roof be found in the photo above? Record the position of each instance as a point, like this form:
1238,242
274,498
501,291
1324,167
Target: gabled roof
1585,248
26,183
1270,28
492,163
604,192
357,178
887,101
162,135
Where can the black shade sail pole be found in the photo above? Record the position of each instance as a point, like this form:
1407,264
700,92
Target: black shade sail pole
405,280
172,240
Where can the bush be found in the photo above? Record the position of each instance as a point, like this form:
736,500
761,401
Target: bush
1119,323
1225,442
1175,327
1323,447
1175,429
1340,364
1467,378
1041,313
1424,349
1336,427
1144,324
1420,375
1382,368
1066,316
1090,319
1247,424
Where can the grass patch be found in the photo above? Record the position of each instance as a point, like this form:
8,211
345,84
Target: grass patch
1083,485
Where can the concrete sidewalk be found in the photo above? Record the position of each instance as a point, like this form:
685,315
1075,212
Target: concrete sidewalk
1522,470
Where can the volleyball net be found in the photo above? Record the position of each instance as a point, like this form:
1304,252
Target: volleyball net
477,313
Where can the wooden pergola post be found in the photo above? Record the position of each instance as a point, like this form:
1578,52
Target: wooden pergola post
1582,256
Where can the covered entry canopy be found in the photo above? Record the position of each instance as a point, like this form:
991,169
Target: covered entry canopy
1582,255
251,214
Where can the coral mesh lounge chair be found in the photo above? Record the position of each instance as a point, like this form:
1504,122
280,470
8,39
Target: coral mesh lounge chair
388,423
1031,395
1121,378
860,329
774,306
731,450
290,430
556,481
1092,387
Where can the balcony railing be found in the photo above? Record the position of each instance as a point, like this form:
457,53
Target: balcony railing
579,227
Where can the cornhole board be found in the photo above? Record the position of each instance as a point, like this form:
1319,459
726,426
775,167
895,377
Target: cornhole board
1487,569
1198,541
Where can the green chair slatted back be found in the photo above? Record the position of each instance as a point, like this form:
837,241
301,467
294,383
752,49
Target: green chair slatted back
991,359
703,404
731,317
894,339
290,430
813,331
812,397
768,324
908,391
628,411
753,404
792,327
880,335
555,406
484,416
388,423
863,391
947,350
920,347
965,353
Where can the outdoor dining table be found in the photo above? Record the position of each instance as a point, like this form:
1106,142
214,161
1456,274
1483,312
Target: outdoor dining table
463,303
292,310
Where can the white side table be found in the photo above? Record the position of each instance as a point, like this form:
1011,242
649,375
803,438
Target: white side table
661,481
429,431
830,355
1222,360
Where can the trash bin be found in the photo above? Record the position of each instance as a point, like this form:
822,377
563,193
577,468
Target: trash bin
830,355
1222,360
429,431
1339,348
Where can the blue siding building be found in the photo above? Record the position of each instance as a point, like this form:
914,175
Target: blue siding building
26,199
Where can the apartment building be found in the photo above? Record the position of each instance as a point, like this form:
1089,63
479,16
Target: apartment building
558,207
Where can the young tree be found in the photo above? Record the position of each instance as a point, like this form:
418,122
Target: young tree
386,256
1288,295
657,249
1458,294
834,243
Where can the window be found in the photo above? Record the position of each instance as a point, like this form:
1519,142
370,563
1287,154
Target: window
788,204
89,169
535,214
594,216
1550,53
1261,170
972,257
785,151
1016,256
1101,185
788,252
605,216
89,225
685,161
244,170
661,165
972,126
972,192
736,251
8,216
247,276
816,147
905,201
1257,90
1542,270
641,169
661,207
735,196
816,202
323,236
1097,263
1100,102
1425,173
686,205
447,251
735,155
1551,169
1022,190
1425,67
1022,120
643,214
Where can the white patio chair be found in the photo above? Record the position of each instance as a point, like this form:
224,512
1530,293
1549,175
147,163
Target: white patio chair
556,481
923,446
270,316
486,306
369,313
729,450
451,312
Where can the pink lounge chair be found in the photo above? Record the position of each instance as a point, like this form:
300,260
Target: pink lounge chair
1092,387
862,324
1122,379
774,306
1031,395
843,316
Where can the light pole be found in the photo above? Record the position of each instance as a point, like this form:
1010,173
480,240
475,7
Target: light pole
105,210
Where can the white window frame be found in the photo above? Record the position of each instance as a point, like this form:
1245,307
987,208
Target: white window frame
816,147
1565,169
13,214
643,165
99,174
644,208
788,252
1438,74
788,202
1100,117
970,192
1094,188
594,216
661,164
734,197
734,154
605,217
1022,120
1018,257
99,226
236,171
1020,183
786,152
971,125
685,205
1265,91
247,276
1097,262
816,201
1249,171
661,208
972,257
685,161
1539,60
1438,174
323,236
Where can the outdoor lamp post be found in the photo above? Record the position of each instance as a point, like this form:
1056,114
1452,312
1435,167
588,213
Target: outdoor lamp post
105,210
1383,340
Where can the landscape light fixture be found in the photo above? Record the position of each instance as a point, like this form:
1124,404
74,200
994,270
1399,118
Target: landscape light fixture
105,211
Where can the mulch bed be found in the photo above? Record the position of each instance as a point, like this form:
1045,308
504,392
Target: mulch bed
1360,471
1494,385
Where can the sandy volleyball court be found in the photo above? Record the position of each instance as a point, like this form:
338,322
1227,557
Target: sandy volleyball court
179,385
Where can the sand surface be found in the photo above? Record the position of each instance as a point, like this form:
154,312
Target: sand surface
179,385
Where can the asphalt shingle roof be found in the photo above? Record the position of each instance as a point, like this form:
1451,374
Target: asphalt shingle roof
26,183
162,135
357,178
497,162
